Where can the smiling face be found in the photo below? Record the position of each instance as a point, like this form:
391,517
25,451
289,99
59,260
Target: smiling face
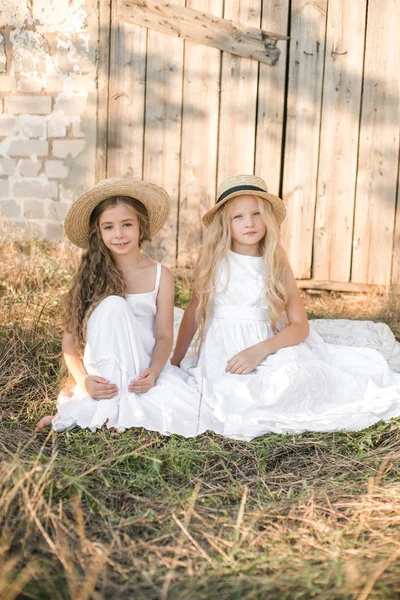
119,229
246,224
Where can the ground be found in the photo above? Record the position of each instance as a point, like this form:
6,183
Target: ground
138,515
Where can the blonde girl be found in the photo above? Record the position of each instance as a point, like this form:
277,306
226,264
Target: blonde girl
257,365
118,318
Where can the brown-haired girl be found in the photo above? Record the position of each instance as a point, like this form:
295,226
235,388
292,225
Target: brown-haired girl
119,318
258,366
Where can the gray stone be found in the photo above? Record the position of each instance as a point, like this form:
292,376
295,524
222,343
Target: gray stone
56,169
35,188
10,209
32,126
8,125
29,168
4,187
54,231
28,148
56,128
30,105
64,148
7,166
33,209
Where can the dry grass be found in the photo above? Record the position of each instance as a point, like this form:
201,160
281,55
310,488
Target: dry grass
137,515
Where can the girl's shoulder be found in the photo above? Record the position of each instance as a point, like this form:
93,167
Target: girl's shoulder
164,276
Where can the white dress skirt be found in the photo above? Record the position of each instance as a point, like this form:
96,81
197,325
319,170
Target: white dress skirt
313,386
120,341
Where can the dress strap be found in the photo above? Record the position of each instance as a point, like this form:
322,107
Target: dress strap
158,277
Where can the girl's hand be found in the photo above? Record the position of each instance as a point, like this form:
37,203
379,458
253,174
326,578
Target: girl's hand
175,362
246,361
145,382
99,388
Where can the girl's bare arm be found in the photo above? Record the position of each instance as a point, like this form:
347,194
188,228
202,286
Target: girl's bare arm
164,322
187,329
95,386
295,332
164,333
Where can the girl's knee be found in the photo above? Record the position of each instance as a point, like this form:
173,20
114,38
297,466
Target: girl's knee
111,307
114,302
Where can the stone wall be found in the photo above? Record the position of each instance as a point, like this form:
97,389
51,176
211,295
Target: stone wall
47,109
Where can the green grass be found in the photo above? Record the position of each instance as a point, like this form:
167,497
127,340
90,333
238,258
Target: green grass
139,515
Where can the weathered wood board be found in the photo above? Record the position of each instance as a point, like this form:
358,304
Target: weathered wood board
238,101
339,131
321,125
306,63
126,100
199,138
237,37
271,101
163,120
379,148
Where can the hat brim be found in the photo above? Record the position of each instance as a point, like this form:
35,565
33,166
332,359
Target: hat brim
155,199
278,207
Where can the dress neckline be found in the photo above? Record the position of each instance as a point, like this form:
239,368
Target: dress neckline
245,256
141,293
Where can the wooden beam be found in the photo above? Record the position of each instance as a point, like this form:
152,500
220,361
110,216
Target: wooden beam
306,69
103,74
126,99
238,101
200,120
339,140
342,286
203,28
271,102
378,156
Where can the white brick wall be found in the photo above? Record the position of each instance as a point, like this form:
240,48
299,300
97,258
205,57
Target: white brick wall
47,87
56,169
32,105
28,148
29,168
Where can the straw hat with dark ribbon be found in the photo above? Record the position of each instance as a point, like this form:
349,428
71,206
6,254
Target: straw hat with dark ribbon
250,185
154,198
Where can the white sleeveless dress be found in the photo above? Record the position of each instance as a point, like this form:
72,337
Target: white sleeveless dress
312,386
120,341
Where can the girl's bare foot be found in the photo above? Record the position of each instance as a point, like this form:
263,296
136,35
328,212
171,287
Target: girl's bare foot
43,423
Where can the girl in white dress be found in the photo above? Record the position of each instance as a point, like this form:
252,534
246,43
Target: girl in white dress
258,367
119,318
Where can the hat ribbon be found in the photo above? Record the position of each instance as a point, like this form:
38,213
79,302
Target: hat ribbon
240,188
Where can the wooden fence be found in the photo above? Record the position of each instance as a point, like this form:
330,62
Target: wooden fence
320,125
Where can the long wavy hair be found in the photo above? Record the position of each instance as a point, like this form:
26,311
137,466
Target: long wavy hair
217,243
98,275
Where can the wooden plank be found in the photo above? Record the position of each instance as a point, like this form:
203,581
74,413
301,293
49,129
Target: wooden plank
163,130
396,245
238,101
342,286
307,49
102,88
197,26
199,138
126,98
271,101
339,140
379,148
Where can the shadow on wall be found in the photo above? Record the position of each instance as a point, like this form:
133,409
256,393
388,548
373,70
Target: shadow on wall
146,109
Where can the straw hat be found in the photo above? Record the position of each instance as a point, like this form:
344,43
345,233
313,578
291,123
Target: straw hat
249,185
154,198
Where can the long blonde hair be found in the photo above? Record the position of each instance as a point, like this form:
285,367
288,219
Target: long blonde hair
98,275
217,243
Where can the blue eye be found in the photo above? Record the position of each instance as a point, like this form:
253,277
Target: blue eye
127,224
257,214
237,216
108,227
